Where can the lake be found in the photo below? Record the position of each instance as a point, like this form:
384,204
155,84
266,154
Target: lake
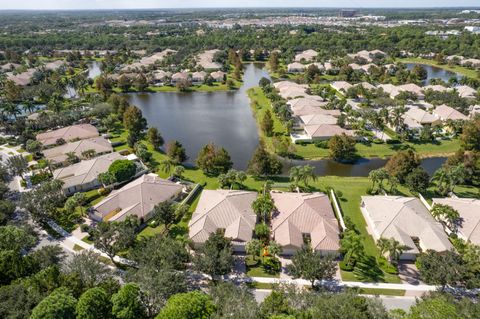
226,119
434,72
197,118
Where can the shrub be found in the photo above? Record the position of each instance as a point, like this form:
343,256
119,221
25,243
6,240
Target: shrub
103,191
386,266
393,141
123,170
84,228
40,177
321,144
378,141
346,266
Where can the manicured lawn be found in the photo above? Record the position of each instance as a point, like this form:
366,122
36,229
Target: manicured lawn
87,240
77,247
380,291
259,285
457,69
259,269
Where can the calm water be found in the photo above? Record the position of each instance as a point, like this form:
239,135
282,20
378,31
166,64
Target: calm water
434,72
225,118
196,119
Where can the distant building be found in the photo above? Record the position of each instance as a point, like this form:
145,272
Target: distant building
347,13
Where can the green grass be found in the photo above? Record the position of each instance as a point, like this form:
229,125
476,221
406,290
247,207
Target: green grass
87,240
77,247
150,232
456,68
441,148
259,270
380,291
260,285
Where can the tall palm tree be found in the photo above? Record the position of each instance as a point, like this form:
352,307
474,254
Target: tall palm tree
395,250
296,175
308,173
17,165
11,109
263,207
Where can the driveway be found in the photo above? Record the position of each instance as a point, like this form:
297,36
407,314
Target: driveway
409,273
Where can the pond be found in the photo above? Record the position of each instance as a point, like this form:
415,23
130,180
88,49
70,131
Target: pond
197,118
434,72
226,119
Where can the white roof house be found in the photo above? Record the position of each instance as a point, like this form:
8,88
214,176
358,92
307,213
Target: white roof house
445,113
21,79
325,131
68,133
296,67
205,60
304,217
59,153
138,197
466,91
308,55
229,210
198,77
406,220
420,117
318,119
341,86
82,176
469,210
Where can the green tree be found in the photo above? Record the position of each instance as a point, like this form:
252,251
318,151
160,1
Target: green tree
192,305
378,176
176,152
106,178
447,215
342,148
213,160
17,165
443,269
60,304
114,237
232,301
254,247
122,170
262,163
417,180
312,266
141,82
351,245
94,304
133,120
154,137
401,164
470,137
267,123
15,238
263,207
165,213
215,257
124,83
128,303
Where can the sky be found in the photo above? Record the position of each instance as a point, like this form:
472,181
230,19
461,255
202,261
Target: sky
137,4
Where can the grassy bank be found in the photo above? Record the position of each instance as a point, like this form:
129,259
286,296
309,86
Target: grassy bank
456,68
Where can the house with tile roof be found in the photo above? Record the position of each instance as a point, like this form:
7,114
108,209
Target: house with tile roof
138,198
69,133
301,218
469,211
445,113
82,176
406,220
227,210
58,154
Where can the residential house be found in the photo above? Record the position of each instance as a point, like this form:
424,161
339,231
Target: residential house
307,56
304,218
296,67
227,210
137,198
82,176
59,154
179,76
199,77
466,92
415,118
54,65
341,86
445,113
317,119
218,76
324,131
148,61
469,211
307,106
69,133
205,60
366,85
160,76
9,67
474,111
21,79
406,220
437,88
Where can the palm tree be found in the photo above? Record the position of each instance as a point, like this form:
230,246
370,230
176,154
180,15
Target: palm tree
28,106
11,109
351,246
295,175
17,165
167,165
447,215
274,248
383,244
308,173
263,207
395,250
